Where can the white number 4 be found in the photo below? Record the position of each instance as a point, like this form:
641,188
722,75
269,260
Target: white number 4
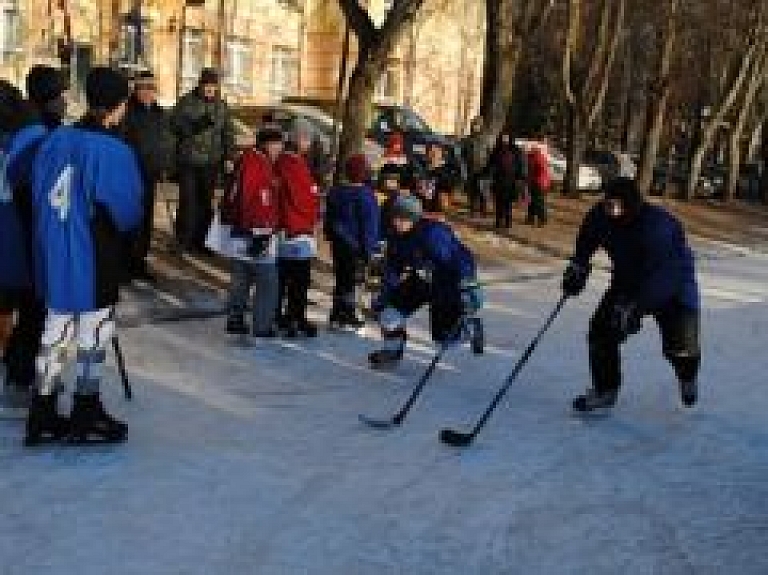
61,192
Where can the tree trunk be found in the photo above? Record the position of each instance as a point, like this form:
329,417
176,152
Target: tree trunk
734,166
654,128
492,57
575,147
358,110
697,164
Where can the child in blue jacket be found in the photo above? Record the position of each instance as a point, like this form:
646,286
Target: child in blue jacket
352,226
87,191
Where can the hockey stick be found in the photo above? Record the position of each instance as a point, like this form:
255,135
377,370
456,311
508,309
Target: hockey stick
121,369
460,439
400,416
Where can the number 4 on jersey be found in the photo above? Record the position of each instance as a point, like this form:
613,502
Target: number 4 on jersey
61,192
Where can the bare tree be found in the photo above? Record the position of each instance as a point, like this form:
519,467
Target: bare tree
587,69
375,46
658,91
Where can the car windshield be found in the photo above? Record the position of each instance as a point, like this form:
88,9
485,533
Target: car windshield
403,120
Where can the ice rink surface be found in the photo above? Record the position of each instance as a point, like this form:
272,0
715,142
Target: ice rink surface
252,461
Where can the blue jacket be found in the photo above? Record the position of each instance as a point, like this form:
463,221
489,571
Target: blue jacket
352,216
652,262
87,191
17,152
431,247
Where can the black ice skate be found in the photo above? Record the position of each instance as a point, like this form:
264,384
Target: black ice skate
44,424
689,392
236,324
592,401
345,321
384,358
89,422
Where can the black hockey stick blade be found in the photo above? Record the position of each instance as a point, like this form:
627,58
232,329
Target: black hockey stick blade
378,423
456,438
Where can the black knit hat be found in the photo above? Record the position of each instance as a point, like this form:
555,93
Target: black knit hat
106,88
209,76
625,190
269,134
45,84
144,78
11,107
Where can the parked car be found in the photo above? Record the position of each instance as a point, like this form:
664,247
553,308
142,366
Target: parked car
589,178
611,165
418,135
319,124
674,172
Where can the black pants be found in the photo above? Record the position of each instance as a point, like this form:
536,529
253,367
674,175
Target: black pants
475,195
444,314
537,206
196,186
24,344
346,263
504,198
295,277
143,238
679,327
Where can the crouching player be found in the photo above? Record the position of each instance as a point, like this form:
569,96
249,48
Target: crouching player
87,191
426,264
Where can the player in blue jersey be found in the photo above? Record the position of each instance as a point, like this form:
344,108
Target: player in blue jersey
87,191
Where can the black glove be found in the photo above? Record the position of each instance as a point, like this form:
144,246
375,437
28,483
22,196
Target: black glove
575,278
626,319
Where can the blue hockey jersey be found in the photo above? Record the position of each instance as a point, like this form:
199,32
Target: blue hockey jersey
352,216
87,191
17,152
432,247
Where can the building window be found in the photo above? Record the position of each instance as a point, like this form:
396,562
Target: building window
386,89
239,72
10,29
135,41
193,58
284,73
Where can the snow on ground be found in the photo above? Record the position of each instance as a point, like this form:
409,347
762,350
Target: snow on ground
252,461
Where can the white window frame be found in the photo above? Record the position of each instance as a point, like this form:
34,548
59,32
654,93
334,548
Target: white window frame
10,29
284,72
239,58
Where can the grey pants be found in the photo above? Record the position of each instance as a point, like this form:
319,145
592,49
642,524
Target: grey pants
263,278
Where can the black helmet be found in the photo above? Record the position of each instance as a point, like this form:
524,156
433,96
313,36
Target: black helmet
626,191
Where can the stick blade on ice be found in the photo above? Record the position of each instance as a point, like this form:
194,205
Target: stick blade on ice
376,423
456,438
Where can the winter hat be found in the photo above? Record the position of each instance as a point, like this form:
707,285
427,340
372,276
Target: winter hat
45,84
209,76
407,208
625,190
356,169
105,88
269,133
391,172
11,107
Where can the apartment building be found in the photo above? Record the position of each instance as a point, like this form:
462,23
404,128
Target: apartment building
267,49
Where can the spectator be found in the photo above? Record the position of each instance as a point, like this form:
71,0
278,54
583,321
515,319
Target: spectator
539,182
473,150
297,246
509,172
352,227
148,130
251,208
317,157
203,125
440,182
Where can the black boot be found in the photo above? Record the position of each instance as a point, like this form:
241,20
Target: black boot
90,420
391,353
236,324
44,424
595,401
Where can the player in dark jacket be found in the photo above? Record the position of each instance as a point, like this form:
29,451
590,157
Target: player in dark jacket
509,171
426,264
86,191
653,275
352,226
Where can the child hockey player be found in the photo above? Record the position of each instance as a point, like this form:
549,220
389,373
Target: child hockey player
298,202
426,264
251,208
87,191
653,275
352,226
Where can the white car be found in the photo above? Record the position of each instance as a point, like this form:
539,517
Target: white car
589,178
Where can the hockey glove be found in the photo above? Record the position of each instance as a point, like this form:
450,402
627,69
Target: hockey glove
626,319
472,297
575,278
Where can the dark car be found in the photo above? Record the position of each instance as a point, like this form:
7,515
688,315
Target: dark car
416,132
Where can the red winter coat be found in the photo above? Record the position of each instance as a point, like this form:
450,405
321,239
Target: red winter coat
252,200
298,199
539,174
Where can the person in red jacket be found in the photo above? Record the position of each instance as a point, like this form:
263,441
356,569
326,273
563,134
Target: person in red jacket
539,182
298,205
251,207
